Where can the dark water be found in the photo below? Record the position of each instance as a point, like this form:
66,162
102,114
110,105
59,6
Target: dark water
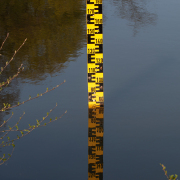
141,87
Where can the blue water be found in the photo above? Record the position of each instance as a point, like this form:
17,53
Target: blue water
141,114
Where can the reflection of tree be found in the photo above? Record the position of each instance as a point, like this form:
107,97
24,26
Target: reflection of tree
54,29
135,11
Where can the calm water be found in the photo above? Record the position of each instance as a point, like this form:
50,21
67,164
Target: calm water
141,87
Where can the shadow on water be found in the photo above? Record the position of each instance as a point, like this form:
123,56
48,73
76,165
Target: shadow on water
136,13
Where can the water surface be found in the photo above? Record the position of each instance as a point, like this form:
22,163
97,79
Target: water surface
141,88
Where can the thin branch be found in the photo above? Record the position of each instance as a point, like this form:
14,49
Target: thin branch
31,128
10,128
4,41
10,107
164,169
3,158
8,62
171,177
6,121
10,79
54,119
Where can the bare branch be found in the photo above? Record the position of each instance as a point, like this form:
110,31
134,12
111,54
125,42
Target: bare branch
54,119
10,107
7,106
10,128
10,79
28,130
6,121
7,63
3,158
4,41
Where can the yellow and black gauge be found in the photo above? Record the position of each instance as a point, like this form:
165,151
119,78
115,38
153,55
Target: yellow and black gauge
94,26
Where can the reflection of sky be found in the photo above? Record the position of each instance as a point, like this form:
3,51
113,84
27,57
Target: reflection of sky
141,120
142,95
138,53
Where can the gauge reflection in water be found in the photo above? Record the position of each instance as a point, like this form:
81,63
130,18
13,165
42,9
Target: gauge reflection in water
95,143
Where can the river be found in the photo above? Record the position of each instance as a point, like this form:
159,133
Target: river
141,88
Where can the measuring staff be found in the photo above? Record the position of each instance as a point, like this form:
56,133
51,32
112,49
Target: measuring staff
94,23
